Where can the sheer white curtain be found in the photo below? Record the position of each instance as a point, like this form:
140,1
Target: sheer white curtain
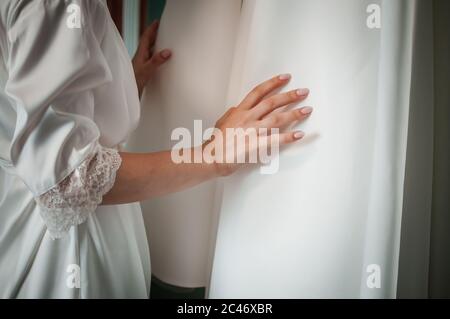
328,223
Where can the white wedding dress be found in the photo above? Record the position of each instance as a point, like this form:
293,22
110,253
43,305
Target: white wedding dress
68,98
327,225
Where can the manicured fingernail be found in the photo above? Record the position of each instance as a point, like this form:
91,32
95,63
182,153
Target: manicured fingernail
298,135
166,54
284,77
306,110
302,92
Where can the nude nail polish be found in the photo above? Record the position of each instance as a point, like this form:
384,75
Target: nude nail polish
284,77
166,54
306,110
298,135
302,92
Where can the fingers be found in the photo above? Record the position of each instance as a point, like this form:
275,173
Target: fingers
147,41
283,119
160,58
290,137
279,139
150,34
284,138
267,106
259,92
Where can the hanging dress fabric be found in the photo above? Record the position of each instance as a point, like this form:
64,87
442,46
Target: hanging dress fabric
331,228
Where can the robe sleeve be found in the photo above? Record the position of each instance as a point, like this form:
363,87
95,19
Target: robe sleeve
53,67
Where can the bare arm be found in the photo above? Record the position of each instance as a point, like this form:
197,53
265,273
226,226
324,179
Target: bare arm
143,176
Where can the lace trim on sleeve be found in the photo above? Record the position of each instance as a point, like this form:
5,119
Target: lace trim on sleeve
71,201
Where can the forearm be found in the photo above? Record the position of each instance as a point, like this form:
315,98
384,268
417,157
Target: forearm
147,175
143,176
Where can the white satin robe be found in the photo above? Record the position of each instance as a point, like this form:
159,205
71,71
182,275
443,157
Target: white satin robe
65,93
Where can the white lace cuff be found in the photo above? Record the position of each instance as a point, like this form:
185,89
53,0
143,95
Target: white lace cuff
71,201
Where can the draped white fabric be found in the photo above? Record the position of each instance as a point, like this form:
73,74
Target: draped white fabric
347,215
332,224
328,223
192,86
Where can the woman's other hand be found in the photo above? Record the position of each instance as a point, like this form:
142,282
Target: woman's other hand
146,61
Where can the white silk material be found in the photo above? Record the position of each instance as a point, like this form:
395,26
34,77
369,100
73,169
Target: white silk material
68,99
331,225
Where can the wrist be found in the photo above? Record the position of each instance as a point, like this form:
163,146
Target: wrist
216,167
208,161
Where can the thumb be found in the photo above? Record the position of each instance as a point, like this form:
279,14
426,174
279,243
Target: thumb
160,57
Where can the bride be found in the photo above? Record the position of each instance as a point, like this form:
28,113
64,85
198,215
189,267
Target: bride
68,197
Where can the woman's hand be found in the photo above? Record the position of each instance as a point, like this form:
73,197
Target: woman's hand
145,175
146,61
257,113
